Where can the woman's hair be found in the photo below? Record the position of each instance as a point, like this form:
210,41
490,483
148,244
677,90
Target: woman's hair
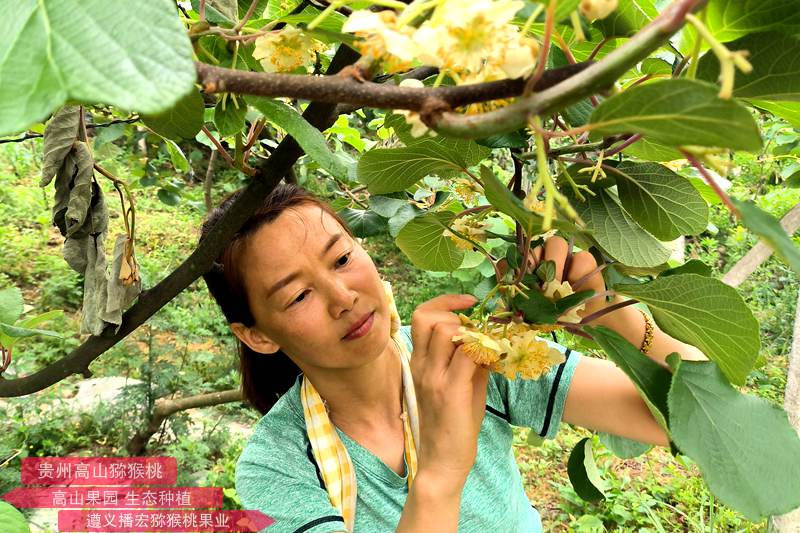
264,377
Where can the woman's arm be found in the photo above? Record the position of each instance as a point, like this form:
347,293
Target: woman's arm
433,504
601,396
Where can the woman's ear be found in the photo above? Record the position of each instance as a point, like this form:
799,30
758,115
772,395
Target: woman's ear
255,339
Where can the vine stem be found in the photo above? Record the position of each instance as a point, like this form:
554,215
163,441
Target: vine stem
246,17
709,179
544,51
624,144
130,227
607,310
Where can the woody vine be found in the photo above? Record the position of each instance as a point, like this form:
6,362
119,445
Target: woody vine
503,122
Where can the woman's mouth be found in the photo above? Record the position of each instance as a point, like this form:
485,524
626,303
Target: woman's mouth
361,327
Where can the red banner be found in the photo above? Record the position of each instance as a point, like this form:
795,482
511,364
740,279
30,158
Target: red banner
115,497
168,521
99,471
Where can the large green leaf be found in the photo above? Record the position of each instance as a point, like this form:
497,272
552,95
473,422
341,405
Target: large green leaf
678,112
13,521
707,314
651,379
11,305
133,55
583,473
731,19
181,121
563,8
629,17
746,448
776,67
664,203
423,241
307,136
618,234
768,228
385,170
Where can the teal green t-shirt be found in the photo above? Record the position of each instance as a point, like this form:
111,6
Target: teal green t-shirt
277,474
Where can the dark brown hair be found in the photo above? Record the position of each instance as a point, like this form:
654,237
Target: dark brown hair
264,377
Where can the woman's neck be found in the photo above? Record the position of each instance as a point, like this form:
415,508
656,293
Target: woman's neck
366,397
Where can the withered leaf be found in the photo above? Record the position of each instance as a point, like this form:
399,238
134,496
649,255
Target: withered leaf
80,195
59,136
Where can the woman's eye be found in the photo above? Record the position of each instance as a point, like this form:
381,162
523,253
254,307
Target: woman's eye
299,298
342,261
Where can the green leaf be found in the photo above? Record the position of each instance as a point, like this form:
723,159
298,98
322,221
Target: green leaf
629,17
385,170
423,241
33,321
131,55
546,271
307,136
169,197
776,67
511,139
385,206
363,222
789,111
693,266
768,228
471,153
13,521
536,308
230,119
651,379
731,19
59,136
583,473
651,151
563,8
181,121
618,234
622,447
678,112
726,432
505,201
278,8
579,113
705,313
402,216
18,332
176,156
661,201
655,67
11,304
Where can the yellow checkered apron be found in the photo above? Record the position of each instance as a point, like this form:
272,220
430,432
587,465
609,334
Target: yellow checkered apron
330,453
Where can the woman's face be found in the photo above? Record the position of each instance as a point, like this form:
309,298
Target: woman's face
314,292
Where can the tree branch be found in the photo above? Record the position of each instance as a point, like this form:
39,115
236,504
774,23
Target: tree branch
166,407
322,116
595,77
347,90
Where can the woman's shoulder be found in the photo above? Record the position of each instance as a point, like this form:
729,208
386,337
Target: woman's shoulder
281,430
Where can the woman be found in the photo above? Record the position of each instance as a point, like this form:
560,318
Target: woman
351,443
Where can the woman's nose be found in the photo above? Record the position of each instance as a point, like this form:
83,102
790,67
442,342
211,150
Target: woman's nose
342,297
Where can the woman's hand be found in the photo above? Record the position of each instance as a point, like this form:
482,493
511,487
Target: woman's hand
450,388
581,265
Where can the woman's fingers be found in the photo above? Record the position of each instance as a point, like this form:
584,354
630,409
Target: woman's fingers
555,249
582,264
439,309
440,348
